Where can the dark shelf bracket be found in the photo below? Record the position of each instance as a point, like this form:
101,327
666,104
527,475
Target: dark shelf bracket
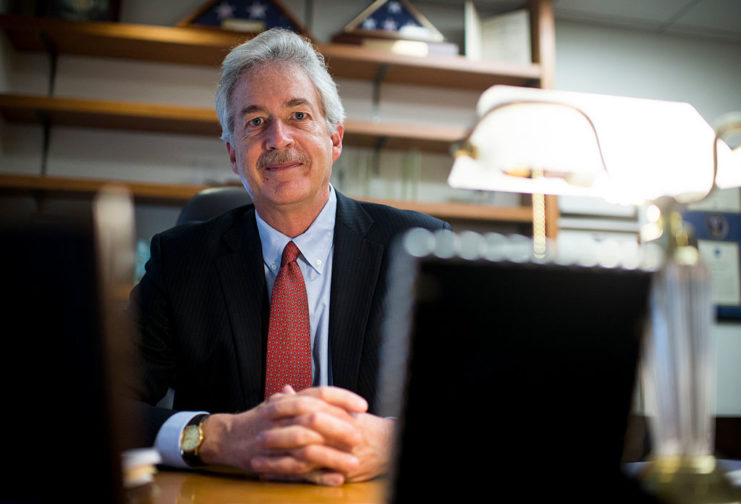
380,144
53,53
377,81
44,120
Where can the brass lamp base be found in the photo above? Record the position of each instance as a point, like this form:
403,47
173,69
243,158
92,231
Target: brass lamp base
688,480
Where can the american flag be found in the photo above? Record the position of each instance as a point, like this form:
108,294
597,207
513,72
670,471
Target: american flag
263,11
391,16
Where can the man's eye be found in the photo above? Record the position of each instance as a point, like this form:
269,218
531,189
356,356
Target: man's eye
299,115
257,121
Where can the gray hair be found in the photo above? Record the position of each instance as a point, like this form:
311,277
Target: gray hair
277,45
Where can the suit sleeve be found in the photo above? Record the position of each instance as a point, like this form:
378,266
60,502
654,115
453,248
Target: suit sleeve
153,367
150,310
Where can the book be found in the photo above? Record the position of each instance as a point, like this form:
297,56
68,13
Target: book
505,37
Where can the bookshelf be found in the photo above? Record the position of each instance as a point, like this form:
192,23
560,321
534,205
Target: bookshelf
207,47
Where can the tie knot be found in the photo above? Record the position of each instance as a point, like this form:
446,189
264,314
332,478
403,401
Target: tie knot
290,253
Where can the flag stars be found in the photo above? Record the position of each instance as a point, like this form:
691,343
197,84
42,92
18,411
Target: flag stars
394,7
389,24
225,10
257,10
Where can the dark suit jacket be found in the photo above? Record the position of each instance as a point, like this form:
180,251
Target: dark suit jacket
203,307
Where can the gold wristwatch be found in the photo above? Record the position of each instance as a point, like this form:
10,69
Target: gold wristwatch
191,441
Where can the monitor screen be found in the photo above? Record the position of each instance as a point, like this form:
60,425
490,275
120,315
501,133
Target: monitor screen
518,376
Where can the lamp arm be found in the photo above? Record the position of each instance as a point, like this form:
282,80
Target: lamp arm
729,122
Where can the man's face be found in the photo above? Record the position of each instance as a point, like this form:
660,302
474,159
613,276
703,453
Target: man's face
281,146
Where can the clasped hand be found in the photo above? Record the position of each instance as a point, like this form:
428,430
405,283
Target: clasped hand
322,434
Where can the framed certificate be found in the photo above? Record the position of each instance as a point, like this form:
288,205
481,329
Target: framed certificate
719,240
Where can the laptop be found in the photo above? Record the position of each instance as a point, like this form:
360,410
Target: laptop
517,375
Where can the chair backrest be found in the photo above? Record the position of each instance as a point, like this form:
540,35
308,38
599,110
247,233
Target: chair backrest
212,202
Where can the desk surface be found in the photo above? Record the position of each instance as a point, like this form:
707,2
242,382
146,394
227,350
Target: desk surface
172,487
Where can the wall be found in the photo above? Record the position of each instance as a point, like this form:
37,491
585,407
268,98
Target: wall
705,73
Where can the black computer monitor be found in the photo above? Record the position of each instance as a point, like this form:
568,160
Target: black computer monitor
61,423
518,378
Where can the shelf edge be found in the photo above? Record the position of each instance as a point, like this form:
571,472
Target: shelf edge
180,193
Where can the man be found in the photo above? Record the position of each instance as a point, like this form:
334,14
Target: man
209,307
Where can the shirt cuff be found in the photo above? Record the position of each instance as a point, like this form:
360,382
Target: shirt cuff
167,442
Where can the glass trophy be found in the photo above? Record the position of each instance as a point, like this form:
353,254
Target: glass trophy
679,376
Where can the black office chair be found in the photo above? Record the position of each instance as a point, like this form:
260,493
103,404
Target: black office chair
212,202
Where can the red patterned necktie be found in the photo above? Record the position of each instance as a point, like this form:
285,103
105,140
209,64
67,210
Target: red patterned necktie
289,341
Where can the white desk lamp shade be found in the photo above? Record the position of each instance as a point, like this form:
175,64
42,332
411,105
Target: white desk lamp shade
624,150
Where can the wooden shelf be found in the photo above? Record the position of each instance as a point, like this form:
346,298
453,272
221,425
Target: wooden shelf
204,46
463,211
178,194
196,46
201,121
109,114
393,135
456,72
175,194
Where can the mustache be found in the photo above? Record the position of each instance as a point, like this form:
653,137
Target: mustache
281,157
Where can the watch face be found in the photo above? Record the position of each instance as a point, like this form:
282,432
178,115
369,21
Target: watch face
191,438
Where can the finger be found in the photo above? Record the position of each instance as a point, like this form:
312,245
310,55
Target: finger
281,477
282,393
336,396
285,465
327,457
333,397
325,478
293,436
311,428
314,428
319,477
294,405
335,431
288,390
308,458
341,435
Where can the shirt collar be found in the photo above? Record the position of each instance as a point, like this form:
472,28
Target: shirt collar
315,243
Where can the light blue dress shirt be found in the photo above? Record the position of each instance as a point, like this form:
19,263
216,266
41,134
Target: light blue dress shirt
315,261
317,247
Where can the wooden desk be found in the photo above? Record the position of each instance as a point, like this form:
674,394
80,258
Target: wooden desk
172,487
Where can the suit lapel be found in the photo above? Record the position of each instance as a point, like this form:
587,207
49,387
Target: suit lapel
355,270
243,283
